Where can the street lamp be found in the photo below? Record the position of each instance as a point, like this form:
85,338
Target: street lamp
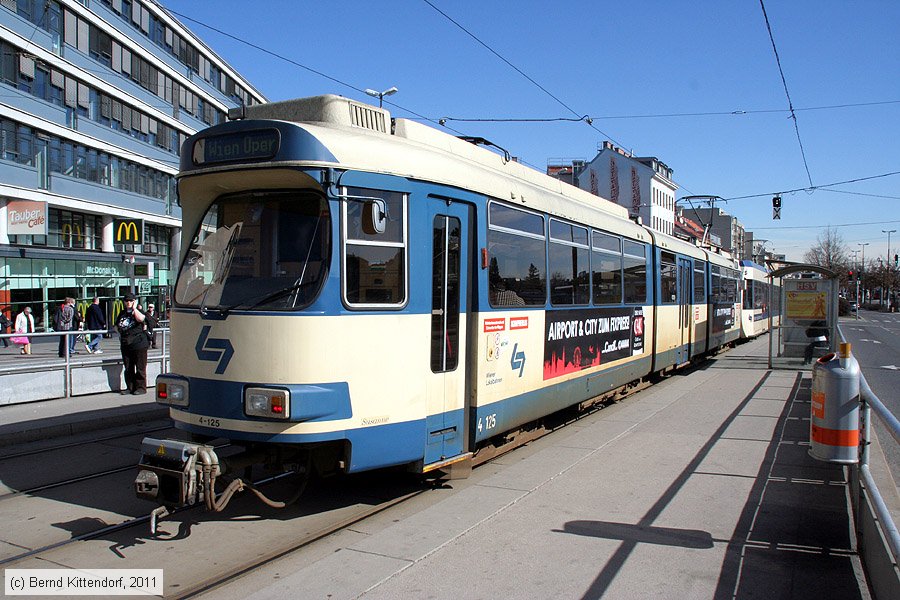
862,267
381,95
886,279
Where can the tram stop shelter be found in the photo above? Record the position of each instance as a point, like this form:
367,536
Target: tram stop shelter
807,312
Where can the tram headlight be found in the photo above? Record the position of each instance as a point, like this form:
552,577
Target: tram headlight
267,402
171,391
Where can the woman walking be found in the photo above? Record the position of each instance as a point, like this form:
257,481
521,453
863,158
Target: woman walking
24,324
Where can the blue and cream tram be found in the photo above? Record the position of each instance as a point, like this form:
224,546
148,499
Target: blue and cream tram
357,292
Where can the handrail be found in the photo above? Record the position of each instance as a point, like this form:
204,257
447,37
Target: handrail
66,361
881,411
869,403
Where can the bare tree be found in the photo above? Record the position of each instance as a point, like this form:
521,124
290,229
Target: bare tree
830,251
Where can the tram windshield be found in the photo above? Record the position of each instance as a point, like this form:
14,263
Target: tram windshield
258,251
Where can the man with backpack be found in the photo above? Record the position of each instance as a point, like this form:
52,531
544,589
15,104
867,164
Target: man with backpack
64,320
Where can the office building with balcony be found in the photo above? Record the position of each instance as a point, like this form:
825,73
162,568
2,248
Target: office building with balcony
97,98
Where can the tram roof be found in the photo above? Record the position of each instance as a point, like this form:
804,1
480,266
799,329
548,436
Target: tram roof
360,138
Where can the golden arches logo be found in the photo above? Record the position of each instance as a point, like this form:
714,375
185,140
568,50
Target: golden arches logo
67,229
128,231
81,308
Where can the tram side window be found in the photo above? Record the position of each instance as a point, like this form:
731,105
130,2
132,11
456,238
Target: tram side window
607,258
748,293
517,249
760,295
699,283
668,281
374,263
569,264
724,285
634,268
715,291
731,286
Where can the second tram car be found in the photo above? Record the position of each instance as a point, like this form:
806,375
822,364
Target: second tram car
757,297
358,292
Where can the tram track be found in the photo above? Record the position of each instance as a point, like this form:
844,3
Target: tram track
87,442
186,584
71,481
82,478
237,571
23,475
116,527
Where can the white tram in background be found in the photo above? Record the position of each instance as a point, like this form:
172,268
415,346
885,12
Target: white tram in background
758,300
358,292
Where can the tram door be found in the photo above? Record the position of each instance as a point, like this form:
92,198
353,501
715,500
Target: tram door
447,387
685,317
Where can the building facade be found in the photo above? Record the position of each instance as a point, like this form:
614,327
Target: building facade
643,185
97,98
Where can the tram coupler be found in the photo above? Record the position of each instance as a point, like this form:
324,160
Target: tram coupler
172,472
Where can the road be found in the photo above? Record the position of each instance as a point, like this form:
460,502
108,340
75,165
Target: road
876,345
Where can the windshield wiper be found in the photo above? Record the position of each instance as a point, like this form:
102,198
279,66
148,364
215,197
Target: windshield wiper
252,303
224,265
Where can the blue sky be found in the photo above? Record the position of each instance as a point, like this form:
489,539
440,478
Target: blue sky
658,78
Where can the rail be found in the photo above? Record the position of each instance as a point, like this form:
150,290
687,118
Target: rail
882,568
871,403
66,360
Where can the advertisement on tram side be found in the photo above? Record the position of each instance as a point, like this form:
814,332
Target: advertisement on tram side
723,318
584,338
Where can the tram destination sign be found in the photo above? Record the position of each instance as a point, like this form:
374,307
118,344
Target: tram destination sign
260,144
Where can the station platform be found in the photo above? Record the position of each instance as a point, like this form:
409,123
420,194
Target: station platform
698,487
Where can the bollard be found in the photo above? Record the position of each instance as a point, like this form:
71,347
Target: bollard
834,418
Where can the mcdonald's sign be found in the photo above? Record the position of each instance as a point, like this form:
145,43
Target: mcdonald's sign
67,238
128,231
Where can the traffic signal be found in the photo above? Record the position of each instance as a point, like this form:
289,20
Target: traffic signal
850,275
776,202
896,261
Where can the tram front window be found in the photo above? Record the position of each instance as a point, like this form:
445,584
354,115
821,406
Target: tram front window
259,251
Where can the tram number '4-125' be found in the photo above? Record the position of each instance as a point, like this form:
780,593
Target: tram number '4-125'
209,422
489,422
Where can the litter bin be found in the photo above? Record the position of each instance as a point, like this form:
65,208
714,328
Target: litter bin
834,418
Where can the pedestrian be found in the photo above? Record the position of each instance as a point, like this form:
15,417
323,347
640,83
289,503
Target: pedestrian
24,324
4,325
134,343
95,320
152,321
65,321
